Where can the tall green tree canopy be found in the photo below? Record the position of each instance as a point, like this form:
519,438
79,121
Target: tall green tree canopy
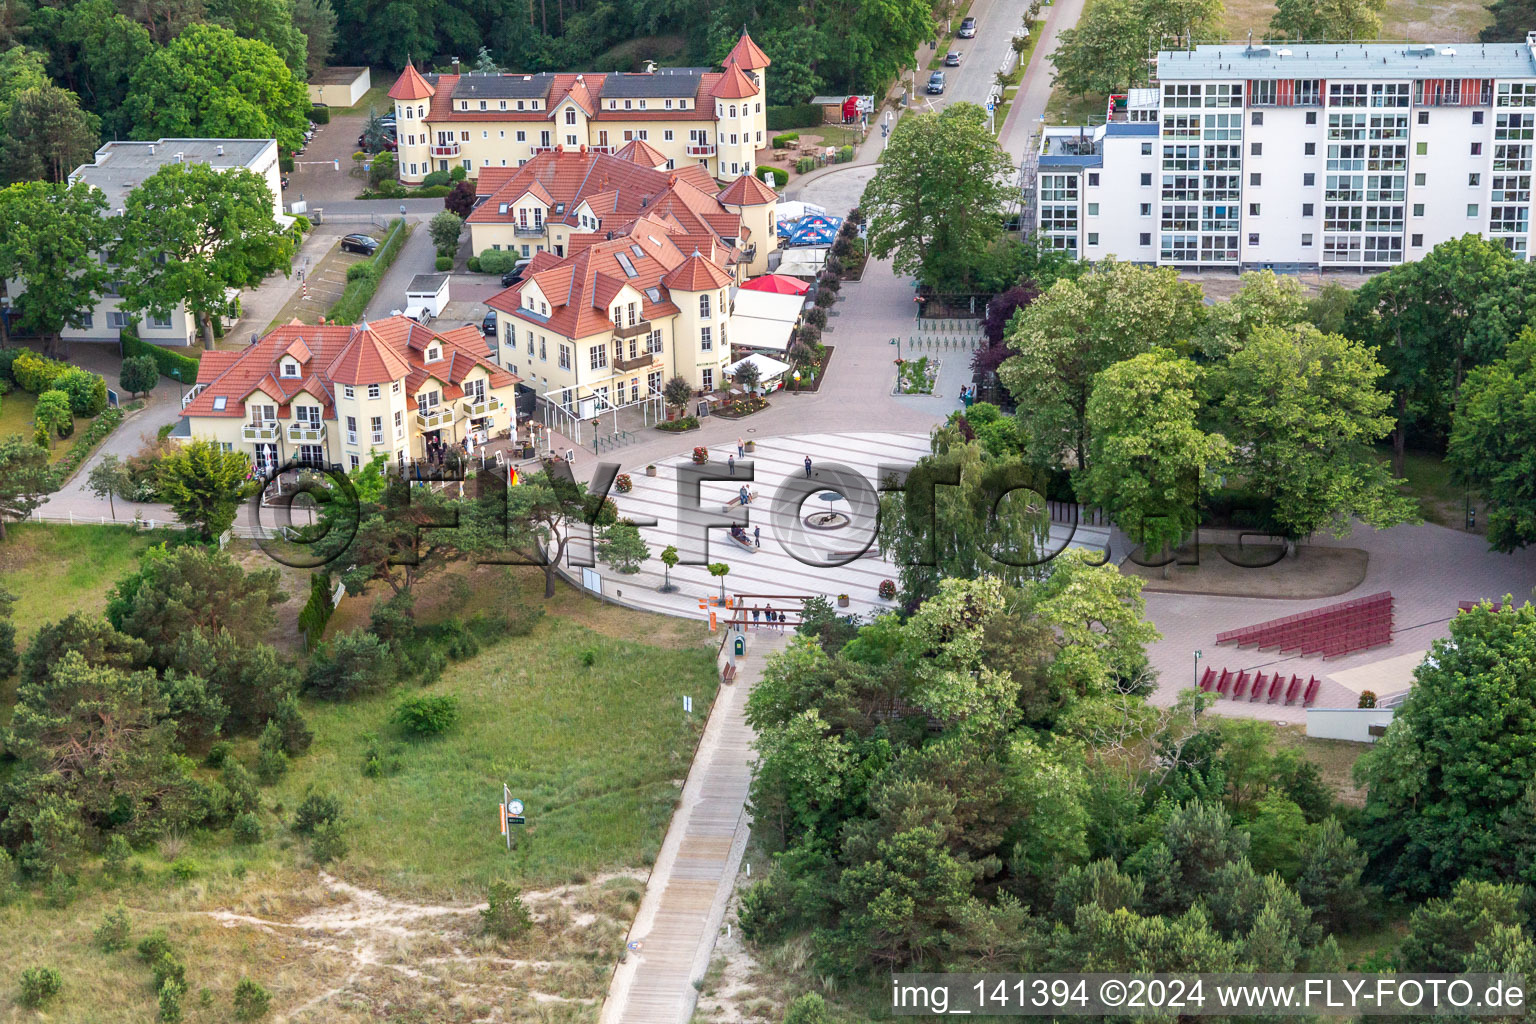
47,135
53,233
937,200
1149,458
1493,442
191,234
209,82
268,21
1331,20
203,482
1302,412
1081,327
24,478
1106,51
1450,790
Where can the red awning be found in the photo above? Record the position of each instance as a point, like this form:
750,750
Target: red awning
778,284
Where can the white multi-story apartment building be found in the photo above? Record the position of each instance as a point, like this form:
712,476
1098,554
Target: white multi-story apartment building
688,115
1311,155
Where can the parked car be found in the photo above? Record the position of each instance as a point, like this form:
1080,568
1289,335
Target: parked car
952,59
967,28
488,325
361,244
515,275
936,84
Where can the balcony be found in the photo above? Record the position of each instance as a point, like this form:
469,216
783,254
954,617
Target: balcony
528,230
475,408
634,330
303,432
601,149
436,418
186,399
749,253
698,149
640,362
445,149
267,430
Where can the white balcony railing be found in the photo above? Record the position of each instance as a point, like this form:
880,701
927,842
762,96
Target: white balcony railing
436,418
700,149
444,149
481,407
267,430
186,399
302,431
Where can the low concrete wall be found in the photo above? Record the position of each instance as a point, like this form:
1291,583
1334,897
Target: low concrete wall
1347,723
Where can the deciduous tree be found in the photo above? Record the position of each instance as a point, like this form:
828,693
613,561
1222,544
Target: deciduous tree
937,200
52,235
1106,51
192,235
47,135
1148,456
209,82
1493,442
109,478
202,482
1302,412
1318,20
1080,327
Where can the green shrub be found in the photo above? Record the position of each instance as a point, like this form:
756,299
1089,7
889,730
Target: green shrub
168,966
825,297
247,829
38,985
116,855
808,1009
241,785
845,154
436,178
328,844
271,765
458,173
184,869
166,359
8,357
252,1002
684,423
317,808
780,141
444,263
285,164
817,317
801,115
33,373
506,916
497,261
152,945
170,1001
358,271
780,175
427,715
218,753
320,114
348,665
295,732
317,610
430,192
805,164
87,391
473,264
112,934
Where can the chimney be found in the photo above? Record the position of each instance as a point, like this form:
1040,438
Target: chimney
151,149
221,149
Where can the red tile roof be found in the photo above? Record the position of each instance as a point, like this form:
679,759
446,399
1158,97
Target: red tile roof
734,85
747,54
638,151
747,190
410,85
343,354
581,288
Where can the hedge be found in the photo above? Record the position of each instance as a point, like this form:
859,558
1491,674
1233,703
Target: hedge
804,115
317,610
166,359
320,114
285,164
805,165
845,155
780,141
436,178
497,261
360,288
780,175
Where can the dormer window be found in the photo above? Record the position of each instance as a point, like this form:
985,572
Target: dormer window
220,403
642,104
613,104
683,104
519,104
434,354
501,208
503,104
669,104
290,368
482,104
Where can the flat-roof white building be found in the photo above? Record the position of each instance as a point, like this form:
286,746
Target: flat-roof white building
119,167
1311,155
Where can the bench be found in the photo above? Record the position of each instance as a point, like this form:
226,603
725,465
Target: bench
728,674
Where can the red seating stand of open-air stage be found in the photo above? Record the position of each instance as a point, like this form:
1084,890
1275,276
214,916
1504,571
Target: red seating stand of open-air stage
1332,631
1257,687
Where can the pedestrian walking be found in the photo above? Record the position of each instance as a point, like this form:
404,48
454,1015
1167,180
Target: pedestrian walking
757,535
730,462
741,448
807,467
768,614
756,613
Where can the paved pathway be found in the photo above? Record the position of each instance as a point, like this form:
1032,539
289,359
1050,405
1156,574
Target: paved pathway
1035,90
674,932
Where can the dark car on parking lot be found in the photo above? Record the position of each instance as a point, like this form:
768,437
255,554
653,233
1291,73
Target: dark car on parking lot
936,84
363,244
967,28
952,59
515,275
488,325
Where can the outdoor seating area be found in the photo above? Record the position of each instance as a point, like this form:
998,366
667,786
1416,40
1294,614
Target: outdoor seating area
1332,632
1258,687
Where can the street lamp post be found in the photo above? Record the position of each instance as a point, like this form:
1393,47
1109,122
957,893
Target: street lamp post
176,372
1198,655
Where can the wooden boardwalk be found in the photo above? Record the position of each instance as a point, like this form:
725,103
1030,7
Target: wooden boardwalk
674,932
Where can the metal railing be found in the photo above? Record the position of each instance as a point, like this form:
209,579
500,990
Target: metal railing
267,431
528,230
448,149
305,432
695,149
633,330
483,407
434,419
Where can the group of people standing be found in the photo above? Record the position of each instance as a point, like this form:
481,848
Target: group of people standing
774,619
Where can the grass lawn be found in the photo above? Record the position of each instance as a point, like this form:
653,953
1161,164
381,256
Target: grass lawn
1416,20
56,569
1069,108
16,411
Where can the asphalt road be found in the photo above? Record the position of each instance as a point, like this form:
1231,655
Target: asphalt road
980,58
